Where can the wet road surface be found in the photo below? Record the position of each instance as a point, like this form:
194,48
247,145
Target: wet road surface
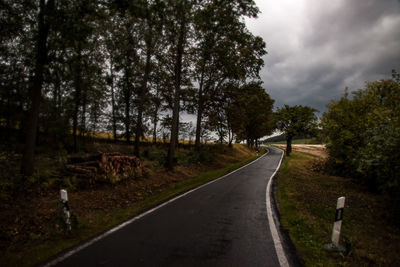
221,224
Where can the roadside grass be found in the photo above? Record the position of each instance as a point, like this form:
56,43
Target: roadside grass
34,251
307,202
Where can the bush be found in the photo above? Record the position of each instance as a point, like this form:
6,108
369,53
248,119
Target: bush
363,136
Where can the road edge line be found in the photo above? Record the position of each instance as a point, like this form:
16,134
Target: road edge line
122,225
272,227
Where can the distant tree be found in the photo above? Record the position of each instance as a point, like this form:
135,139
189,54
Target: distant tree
295,120
154,110
192,132
217,122
250,113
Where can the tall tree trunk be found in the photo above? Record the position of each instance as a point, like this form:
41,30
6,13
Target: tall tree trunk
178,73
82,129
95,119
127,100
288,145
142,97
127,117
56,95
114,119
155,120
21,122
27,165
177,127
57,102
230,135
8,116
78,92
199,110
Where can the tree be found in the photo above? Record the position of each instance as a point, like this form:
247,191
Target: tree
294,121
111,44
250,113
225,52
129,58
17,55
363,135
182,12
152,28
43,22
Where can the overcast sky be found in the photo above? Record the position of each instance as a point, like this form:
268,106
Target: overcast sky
318,47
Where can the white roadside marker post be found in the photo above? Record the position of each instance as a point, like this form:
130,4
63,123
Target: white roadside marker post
64,201
335,246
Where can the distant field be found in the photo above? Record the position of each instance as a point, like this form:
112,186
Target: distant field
148,139
297,141
316,150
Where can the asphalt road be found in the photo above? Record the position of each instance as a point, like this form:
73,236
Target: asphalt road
222,224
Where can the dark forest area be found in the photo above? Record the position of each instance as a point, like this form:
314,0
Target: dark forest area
76,71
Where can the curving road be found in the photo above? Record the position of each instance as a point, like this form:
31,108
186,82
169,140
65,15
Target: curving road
224,223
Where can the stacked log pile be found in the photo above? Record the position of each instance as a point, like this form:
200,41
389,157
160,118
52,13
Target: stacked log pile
104,165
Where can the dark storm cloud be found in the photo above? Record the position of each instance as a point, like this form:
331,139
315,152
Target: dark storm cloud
317,48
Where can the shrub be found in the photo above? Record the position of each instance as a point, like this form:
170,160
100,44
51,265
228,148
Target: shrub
363,135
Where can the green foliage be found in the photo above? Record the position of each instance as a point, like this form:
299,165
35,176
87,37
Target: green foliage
251,112
296,121
117,66
363,135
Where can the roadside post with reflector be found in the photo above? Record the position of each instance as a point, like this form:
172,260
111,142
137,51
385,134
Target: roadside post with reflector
337,225
64,201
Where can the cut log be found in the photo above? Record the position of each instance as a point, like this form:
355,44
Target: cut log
101,165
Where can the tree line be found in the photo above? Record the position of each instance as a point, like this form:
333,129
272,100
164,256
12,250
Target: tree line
70,68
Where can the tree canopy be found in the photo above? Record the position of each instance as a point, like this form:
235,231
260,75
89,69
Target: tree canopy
363,135
71,68
250,113
295,121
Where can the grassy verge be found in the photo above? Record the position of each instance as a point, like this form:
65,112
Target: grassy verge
35,252
307,201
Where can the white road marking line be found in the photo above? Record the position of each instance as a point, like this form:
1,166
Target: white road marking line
274,232
118,227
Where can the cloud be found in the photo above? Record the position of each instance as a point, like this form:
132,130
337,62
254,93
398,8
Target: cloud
317,48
